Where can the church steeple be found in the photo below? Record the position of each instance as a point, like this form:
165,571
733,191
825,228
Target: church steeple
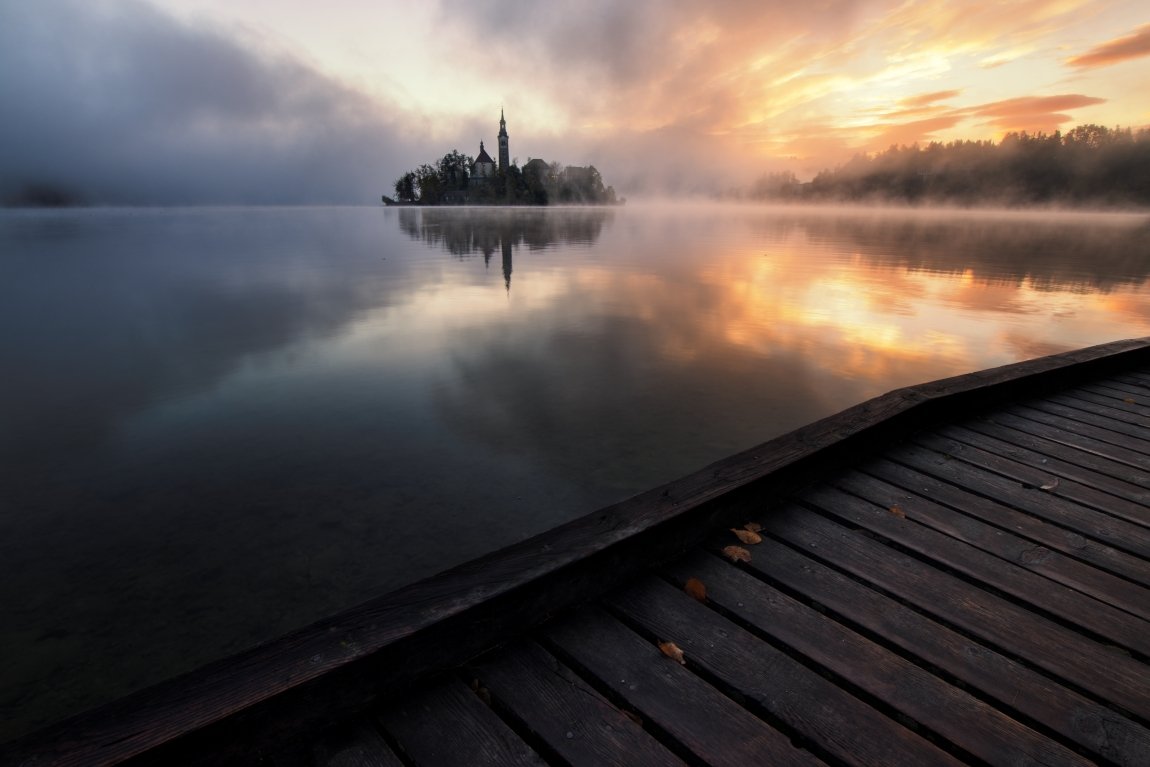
504,152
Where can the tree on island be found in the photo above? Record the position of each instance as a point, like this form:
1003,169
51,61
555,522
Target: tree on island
450,181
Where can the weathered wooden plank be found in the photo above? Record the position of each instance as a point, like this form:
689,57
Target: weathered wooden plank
1113,625
1073,434
832,719
1052,536
700,718
1120,407
1115,389
970,724
1083,412
1103,671
1001,458
565,712
1013,686
1062,457
357,744
1126,536
1133,378
447,725
1003,545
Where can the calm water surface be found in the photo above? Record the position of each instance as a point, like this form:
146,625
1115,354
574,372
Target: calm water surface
220,425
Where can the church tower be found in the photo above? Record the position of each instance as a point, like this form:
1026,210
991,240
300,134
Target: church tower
504,152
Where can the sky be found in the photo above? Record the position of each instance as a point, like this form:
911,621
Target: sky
293,101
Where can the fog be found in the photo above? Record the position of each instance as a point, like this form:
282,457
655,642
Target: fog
120,103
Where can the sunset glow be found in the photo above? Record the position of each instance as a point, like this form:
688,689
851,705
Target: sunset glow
661,96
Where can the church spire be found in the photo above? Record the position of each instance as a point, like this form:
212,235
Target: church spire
504,152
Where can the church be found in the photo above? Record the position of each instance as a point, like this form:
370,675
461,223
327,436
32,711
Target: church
484,167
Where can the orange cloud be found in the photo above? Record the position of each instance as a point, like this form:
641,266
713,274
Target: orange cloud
1033,113
927,99
1132,46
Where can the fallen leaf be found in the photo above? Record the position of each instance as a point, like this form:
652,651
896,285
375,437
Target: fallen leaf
1049,485
632,716
754,527
736,554
747,536
696,589
1129,400
898,512
483,693
672,651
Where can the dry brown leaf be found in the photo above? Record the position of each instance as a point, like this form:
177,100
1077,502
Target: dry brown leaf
696,589
754,527
1129,400
632,716
898,512
1049,485
672,651
747,536
736,554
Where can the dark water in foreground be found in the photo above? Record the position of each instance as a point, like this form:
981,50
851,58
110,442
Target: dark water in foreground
220,425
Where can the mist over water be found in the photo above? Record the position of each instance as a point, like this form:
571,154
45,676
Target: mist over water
220,425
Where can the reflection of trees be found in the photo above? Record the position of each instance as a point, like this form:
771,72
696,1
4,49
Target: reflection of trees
1047,253
468,231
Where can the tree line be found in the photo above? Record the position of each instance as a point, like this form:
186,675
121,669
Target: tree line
1090,165
449,181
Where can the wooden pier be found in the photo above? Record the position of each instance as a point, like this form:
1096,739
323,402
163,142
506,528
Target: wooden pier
953,573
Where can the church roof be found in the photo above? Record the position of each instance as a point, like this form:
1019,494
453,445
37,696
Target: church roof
483,156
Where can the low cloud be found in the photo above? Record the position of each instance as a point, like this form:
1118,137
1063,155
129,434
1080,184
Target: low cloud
1132,46
120,103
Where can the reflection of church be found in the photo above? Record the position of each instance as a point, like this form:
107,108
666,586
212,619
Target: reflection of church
484,167
464,232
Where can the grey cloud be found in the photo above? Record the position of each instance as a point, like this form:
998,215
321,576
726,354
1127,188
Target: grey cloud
124,104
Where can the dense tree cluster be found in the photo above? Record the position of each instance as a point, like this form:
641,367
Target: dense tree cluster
1090,164
449,181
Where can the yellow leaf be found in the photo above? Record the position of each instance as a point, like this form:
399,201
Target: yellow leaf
746,536
898,512
696,589
754,527
736,554
672,651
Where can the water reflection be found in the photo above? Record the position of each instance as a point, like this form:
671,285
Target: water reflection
220,425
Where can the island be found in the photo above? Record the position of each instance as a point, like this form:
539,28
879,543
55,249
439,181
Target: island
458,179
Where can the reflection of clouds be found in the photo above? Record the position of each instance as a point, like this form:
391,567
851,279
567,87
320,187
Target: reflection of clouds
156,306
822,311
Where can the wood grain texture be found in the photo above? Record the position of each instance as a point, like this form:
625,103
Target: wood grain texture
1099,492
1090,665
1117,533
701,719
1012,685
1006,549
1107,622
356,745
970,724
1073,434
823,712
446,725
1047,534
1076,461
565,711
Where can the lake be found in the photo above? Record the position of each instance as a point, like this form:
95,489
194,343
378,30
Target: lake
217,425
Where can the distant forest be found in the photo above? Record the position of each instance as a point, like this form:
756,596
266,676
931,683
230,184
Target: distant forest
1089,165
449,181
